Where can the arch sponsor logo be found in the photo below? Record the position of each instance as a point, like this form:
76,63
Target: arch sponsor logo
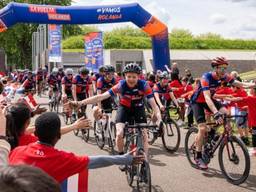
111,10
41,9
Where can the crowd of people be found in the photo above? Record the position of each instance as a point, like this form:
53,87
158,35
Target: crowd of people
216,93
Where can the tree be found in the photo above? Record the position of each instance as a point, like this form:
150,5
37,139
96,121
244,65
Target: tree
16,41
181,33
210,35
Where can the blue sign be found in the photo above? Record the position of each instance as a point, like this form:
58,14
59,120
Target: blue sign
93,50
55,38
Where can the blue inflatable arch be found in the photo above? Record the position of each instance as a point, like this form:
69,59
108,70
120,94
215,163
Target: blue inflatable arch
46,14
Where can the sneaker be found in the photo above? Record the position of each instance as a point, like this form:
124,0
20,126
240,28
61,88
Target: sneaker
201,164
252,152
122,168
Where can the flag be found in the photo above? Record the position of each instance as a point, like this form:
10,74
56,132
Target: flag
76,183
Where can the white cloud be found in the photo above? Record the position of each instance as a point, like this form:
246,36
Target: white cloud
218,18
230,18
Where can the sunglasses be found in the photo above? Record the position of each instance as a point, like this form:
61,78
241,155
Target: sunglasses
70,74
222,68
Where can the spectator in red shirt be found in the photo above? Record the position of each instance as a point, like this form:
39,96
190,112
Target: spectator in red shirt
17,122
241,109
250,101
60,164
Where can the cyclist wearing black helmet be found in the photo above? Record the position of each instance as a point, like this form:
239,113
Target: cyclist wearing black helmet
95,78
104,83
29,82
132,92
202,99
163,92
82,85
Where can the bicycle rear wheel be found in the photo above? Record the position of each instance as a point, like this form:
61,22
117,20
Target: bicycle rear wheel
144,177
190,147
234,160
171,136
99,134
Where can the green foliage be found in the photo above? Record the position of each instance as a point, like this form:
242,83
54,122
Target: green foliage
16,41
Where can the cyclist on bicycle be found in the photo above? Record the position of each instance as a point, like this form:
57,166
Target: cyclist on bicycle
39,79
131,91
95,78
163,92
202,99
60,75
53,82
104,83
67,84
82,85
29,83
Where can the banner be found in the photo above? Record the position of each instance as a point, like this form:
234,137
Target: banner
54,41
93,50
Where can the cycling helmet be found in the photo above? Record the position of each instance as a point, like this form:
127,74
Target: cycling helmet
164,75
101,69
109,69
219,61
55,70
132,68
69,71
84,71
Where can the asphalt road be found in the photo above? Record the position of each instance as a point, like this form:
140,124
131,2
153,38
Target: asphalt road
170,172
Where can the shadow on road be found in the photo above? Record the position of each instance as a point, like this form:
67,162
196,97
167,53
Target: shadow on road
155,188
249,184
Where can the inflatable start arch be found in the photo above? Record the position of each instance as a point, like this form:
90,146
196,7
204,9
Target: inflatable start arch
46,14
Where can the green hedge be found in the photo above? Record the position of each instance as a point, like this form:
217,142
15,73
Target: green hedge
139,42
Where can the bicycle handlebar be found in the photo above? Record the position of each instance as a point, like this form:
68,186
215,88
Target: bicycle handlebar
140,126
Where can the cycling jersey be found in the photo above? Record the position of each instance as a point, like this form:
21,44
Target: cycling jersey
29,84
82,85
151,84
53,80
209,81
164,92
39,76
132,97
104,85
96,76
68,84
60,76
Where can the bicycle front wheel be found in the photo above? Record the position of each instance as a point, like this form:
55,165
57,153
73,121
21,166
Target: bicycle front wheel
171,136
190,146
234,160
144,177
99,134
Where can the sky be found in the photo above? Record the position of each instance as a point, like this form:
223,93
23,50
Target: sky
229,18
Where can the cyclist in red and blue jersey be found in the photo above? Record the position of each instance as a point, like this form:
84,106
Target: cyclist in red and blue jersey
82,85
39,79
29,82
132,92
60,75
202,99
53,82
104,83
67,84
95,78
163,92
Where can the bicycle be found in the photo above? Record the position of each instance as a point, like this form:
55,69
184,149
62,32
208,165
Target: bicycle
85,132
236,151
105,130
55,101
170,132
134,139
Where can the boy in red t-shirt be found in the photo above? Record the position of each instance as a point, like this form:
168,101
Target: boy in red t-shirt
250,101
60,164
